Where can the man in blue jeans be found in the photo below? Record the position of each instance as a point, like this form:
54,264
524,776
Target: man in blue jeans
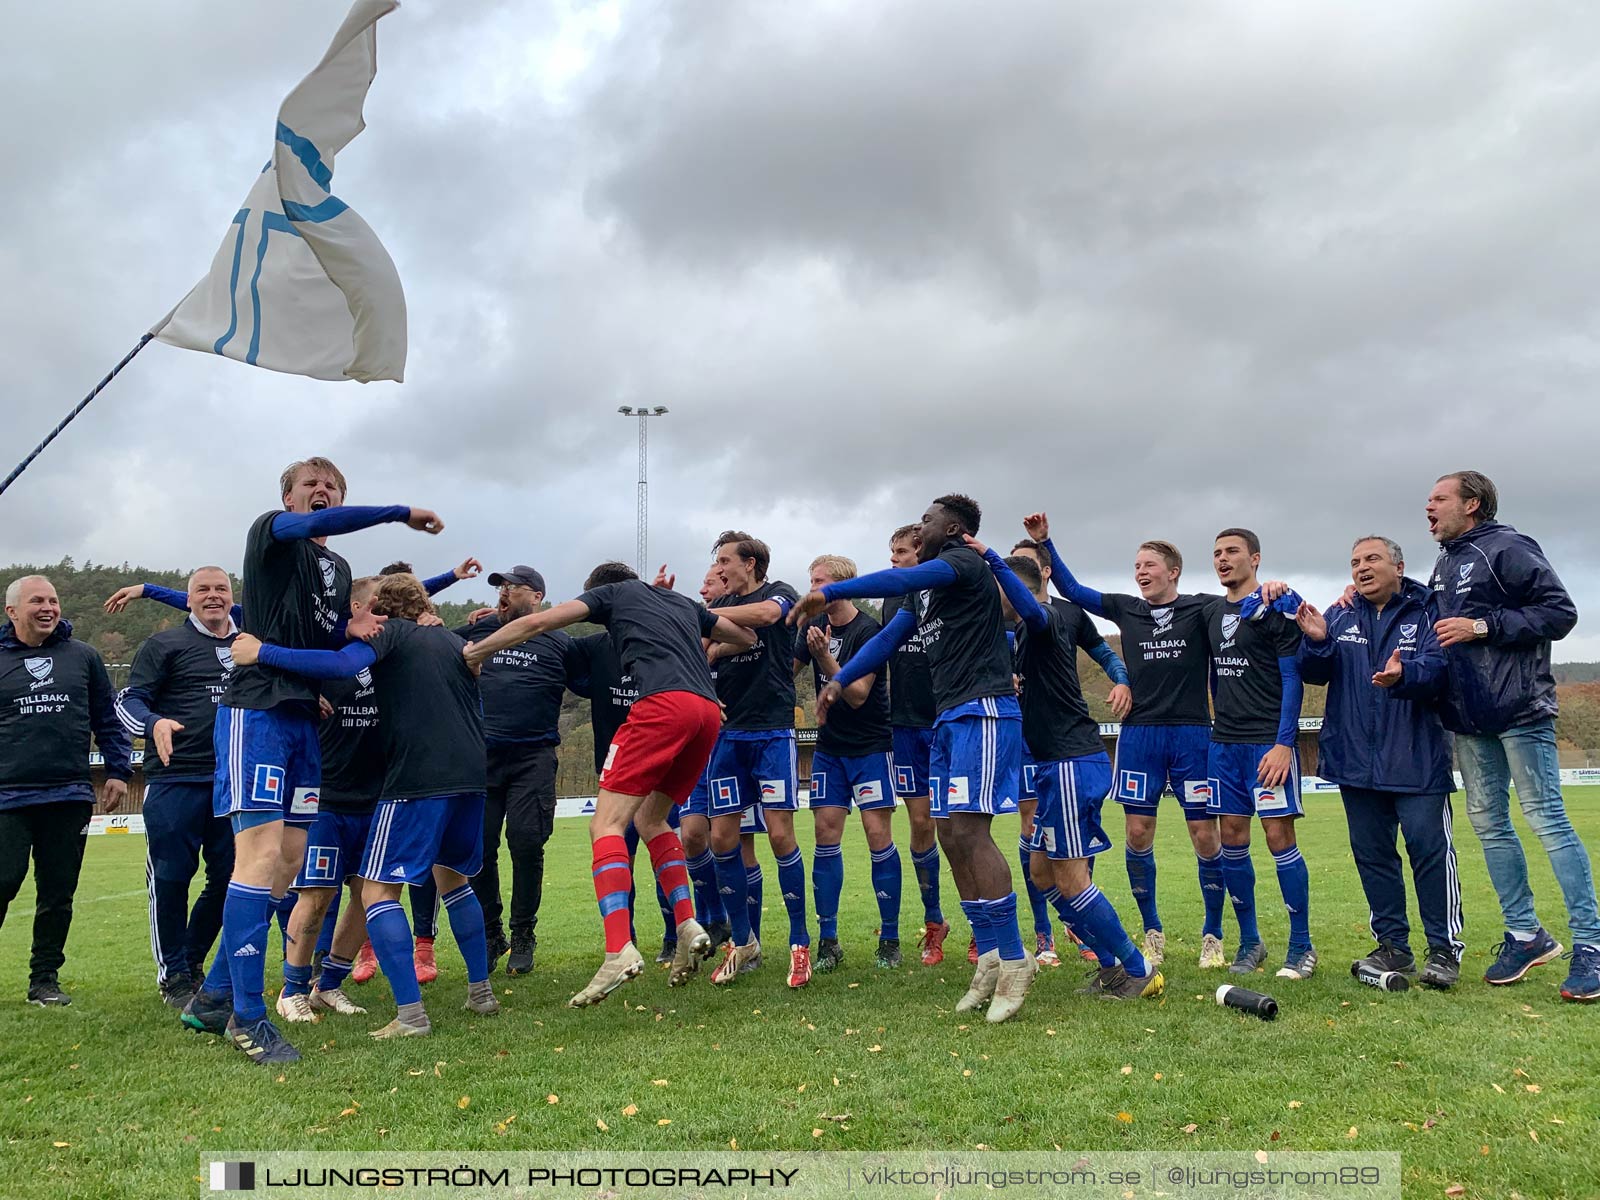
1497,606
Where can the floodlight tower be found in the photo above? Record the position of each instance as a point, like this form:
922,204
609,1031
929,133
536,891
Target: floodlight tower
642,536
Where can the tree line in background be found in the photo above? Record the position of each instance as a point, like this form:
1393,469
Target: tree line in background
83,590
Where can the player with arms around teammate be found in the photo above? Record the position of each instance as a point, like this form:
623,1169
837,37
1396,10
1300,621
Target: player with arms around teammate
171,700
1165,738
268,760
1254,763
754,763
975,767
852,765
430,820
911,717
656,757
54,692
1072,772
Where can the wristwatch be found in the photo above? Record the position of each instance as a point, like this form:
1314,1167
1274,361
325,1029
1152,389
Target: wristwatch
1480,628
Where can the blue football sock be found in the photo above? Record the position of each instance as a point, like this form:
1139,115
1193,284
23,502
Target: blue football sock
792,882
245,914
296,980
330,921
753,890
282,907
926,864
1239,877
735,891
1003,924
424,899
219,979
886,875
1142,880
390,936
1212,892
707,901
827,881
1097,919
335,971
466,923
1294,880
1076,927
978,918
1036,901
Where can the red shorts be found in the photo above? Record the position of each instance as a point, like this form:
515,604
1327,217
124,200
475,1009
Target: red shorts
663,746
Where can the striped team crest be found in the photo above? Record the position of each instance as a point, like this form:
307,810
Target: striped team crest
329,573
1230,625
225,657
39,668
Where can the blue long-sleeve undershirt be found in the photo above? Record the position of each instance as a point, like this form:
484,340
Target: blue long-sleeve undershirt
1289,705
1027,606
1111,663
345,663
875,653
893,581
346,518
1068,586
438,583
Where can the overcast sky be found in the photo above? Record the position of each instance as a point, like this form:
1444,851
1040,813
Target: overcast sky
1156,271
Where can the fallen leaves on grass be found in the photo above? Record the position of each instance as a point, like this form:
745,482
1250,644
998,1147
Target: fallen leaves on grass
464,1101
1351,1133
631,1110
1455,1189
1532,1087
601,1125
874,1049
61,1145
664,1121
661,1082
500,1127
1127,1069
552,1098
1125,1117
1498,1088
816,1133
1190,1128
1297,1104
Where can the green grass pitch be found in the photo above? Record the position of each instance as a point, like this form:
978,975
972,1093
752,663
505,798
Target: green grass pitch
1492,1089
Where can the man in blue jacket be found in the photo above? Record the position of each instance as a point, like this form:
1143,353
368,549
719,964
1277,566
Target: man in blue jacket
1497,606
1383,744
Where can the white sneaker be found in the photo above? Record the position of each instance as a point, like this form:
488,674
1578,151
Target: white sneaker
1212,954
297,1009
984,981
1016,976
334,1000
617,969
1155,947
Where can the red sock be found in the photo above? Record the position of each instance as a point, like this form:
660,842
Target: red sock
672,873
612,880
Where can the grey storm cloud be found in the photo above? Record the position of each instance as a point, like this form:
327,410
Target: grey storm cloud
1156,271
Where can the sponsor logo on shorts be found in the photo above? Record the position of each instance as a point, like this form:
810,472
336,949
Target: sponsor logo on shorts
905,780
774,791
725,792
398,873
1271,799
268,787
322,864
1131,785
248,950
306,802
956,794
867,792
819,788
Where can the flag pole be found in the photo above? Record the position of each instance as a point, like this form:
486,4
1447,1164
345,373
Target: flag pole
67,420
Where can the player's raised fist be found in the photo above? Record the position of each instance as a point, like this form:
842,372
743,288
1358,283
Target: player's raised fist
664,578
807,607
1037,526
425,520
246,650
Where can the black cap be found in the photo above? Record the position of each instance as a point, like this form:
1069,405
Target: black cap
520,574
